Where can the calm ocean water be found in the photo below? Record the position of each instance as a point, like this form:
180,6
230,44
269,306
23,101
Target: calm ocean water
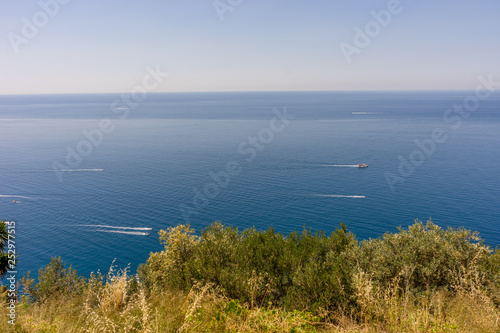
166,161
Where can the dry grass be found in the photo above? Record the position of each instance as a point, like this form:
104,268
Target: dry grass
114,306
396,309
204,309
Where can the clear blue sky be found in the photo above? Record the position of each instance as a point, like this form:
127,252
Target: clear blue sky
105,45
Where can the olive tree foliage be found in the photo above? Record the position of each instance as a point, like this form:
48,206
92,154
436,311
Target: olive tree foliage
259,267
54,280
425,256
171,267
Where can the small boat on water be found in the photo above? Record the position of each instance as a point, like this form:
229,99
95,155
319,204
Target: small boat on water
361,165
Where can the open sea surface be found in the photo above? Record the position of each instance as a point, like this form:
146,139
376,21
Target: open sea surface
91,198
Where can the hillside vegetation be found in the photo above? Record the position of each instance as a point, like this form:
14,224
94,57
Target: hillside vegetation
420,279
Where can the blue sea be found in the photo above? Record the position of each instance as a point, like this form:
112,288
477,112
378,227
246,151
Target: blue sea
95,177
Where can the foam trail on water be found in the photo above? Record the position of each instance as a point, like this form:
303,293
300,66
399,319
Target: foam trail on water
340,196
73,170
138,233
113,227
13,196
340,165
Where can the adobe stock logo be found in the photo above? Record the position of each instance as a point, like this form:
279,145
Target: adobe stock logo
372,29
452,119
223,6
95,136
249,148
31,28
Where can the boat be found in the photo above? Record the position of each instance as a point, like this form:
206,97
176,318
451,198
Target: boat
361,165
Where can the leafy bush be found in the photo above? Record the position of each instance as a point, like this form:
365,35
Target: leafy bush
53,280
258,267
323,274
421,279
170,268
425,255
492,267
313,270
216,259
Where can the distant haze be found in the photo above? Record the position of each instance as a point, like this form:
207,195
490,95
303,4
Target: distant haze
248,45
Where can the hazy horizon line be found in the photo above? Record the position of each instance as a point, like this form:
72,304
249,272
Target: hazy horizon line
240,91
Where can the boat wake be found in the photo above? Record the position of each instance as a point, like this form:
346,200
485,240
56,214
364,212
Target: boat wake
113,227
340,196
72,170
137,233
13,196
340,165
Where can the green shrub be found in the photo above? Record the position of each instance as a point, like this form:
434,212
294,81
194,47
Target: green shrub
315,271
323,276
258,267
421,279
264,265
492,267
216,259
424,255
53,280
171,268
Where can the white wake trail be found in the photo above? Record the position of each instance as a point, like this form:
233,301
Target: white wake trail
13,196
113,227
340,196
340,165
137,233
74,170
